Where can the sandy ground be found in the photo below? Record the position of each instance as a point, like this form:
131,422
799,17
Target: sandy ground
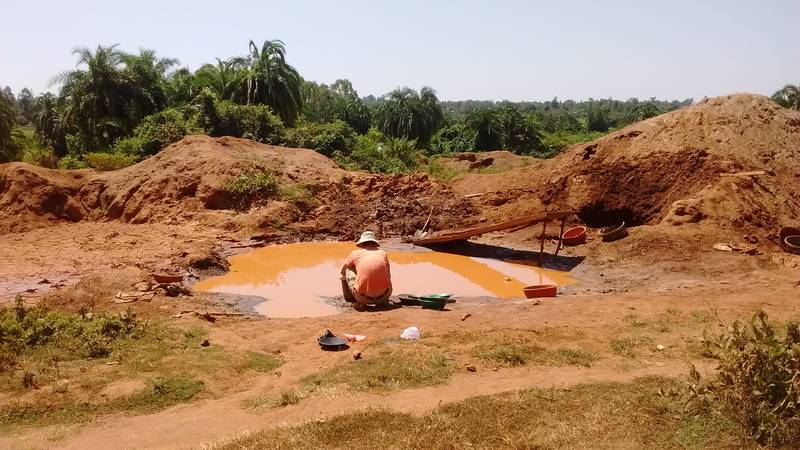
613,280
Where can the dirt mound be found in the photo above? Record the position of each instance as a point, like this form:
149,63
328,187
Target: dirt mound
675,168
189,175
34,196
186,182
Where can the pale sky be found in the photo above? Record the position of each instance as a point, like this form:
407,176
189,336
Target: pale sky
472,49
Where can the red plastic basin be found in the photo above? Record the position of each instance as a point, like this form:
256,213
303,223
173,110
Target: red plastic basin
540,290
574,236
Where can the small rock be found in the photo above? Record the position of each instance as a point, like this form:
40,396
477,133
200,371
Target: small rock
356,355
471,368
205,343
465,316
172,290
660,347
537,302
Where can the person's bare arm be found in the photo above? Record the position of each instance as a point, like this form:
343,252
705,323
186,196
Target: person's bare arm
348,263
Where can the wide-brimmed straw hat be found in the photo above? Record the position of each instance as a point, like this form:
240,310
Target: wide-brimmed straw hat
367,237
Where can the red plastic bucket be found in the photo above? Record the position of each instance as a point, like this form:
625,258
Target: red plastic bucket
574,236
540,290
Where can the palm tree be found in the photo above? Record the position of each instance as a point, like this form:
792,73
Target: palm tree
271,81
788,97
7,123
487,134
145,78
223,78
181,88
407,114
96,95
50,124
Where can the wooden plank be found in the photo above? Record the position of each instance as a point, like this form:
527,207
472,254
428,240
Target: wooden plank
744,174
459,235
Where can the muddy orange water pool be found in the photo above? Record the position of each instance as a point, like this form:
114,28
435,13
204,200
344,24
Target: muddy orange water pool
299,280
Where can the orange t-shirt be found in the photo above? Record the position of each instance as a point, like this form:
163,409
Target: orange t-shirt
372,271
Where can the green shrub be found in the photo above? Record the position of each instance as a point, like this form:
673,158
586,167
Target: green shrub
440,171
326,138
23,331
299,194
71,162
108,161
251,186
375,152
559,140
40,156
757,381
159,130
24,146
453,139
226,118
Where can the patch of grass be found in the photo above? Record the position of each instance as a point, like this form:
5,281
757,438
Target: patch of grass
285,398
251,186
161,394
702,316
435,169
389,366
65,360
289,397
298,194
634,320
108,161
573,357
603,415
508,349
36,341
663,322
261,362
627,346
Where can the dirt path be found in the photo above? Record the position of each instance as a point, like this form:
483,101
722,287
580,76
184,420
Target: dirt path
188,426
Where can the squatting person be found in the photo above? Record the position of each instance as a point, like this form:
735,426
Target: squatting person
366,278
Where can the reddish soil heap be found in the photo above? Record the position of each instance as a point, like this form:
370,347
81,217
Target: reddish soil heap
185,182
674,168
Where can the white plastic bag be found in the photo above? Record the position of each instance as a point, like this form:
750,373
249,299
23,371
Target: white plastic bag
411,333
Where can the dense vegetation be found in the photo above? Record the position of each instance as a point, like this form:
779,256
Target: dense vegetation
757,382
133,105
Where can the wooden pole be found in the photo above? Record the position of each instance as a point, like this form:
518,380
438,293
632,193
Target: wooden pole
561,235
541,247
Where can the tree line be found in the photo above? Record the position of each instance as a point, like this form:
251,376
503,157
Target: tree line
116,108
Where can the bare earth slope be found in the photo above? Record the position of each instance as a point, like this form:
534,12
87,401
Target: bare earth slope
185,182
670,168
